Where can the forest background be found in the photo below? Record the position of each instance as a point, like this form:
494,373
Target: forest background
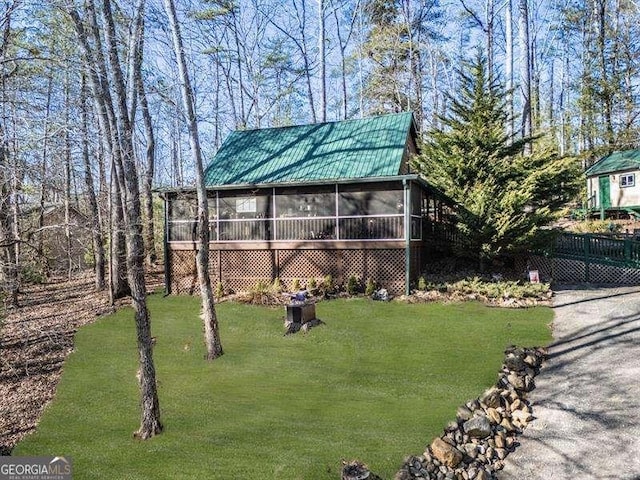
570,70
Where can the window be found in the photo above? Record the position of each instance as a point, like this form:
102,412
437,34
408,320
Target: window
243,206
627,180
246,205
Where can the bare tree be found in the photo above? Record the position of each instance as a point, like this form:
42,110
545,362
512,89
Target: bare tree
118,284
137,90
150,416
525,69
8,250
96,227
487,26
211,331
323,60
508,65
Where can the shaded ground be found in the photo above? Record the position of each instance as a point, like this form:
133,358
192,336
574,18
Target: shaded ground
35,339
587,400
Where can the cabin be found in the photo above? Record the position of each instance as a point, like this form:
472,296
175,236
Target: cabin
303,202
612,184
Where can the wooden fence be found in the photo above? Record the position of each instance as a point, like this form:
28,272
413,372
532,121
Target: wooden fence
599,249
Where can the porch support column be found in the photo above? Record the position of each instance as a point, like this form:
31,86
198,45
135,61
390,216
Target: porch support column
165,241
407,236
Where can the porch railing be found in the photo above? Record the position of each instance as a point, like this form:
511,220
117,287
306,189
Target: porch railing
370,227
593,248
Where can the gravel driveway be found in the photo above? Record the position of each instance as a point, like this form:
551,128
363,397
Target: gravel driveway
587,400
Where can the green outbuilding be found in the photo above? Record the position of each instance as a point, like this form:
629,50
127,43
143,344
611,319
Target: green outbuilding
303,202
612,184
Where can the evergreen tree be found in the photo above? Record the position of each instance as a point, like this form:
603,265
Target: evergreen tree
506,196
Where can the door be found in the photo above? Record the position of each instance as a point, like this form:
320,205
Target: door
605,192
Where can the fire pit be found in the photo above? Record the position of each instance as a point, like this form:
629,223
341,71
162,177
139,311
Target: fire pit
301,312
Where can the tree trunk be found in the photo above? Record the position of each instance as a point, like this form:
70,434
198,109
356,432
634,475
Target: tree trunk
118,275
322,60
67,181
150,243
147,181
96,228
211,330
525,71
301,16
490,7
605,88
508,67
118,286
150,417
343,66
43,175
8,260
150,422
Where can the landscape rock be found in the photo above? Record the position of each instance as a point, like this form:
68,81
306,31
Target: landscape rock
514,362
491,397
475,445
483,475
494,416
521,417
447,454
516,380
477,427
463,413
356,470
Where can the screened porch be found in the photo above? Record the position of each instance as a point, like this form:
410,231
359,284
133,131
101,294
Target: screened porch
321,213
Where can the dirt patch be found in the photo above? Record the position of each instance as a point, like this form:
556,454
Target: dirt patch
35,339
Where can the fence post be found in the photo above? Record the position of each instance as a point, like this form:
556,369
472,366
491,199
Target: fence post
587,256
627,249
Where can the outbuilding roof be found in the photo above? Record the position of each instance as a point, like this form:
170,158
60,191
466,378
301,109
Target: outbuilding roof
348,149
616,162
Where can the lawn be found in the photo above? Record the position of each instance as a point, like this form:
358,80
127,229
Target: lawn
377,382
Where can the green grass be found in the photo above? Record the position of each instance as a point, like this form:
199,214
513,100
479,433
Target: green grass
378,382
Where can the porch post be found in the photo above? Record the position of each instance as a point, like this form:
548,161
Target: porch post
407,236
165,241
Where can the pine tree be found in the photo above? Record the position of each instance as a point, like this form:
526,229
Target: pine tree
505,195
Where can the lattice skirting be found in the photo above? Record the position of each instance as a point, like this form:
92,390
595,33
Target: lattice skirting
562,270
242,269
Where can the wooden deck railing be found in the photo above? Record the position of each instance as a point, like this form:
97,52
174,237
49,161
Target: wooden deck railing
594,248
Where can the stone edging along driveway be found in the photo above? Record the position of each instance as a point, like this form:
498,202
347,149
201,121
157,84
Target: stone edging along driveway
587,400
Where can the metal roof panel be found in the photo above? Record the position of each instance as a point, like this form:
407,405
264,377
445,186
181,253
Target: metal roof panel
616,162
370,147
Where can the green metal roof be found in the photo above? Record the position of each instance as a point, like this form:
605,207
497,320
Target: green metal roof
370,147
616,162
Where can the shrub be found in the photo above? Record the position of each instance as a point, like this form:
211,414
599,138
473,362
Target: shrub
422,284
312,284
295,285
277,285
597,226
261,294
370,287
352,285
219,291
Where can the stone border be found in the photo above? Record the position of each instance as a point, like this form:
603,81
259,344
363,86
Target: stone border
475,444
